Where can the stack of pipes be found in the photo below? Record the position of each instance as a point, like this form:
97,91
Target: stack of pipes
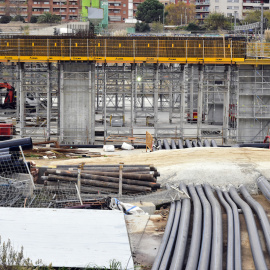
206,247
135,178
10,161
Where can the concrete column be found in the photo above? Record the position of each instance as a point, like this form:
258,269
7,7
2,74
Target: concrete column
132,97
156,99
61,95
142,95
135,93
49,102
22,99
226,107
92,89
183,101
58,98
17,87
105,102
123,90
171,95
191,94
200,102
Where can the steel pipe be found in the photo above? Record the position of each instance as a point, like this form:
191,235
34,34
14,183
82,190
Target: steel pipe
165,238
164,265
13,145
206,143
230,231
195,244
194,144
217,239
258,209
254,239
207,231
237,232
182,235
264,187
199,144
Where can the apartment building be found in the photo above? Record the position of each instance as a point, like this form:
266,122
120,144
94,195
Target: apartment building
122,10
69,10
228,7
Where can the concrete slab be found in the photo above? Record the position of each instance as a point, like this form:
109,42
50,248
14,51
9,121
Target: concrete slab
67,237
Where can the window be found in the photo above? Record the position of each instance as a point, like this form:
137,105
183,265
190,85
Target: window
229,7
117,5
236,7
116,11
124,5
124,12
217,1
216,8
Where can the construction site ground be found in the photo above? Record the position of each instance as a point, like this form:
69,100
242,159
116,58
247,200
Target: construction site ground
218,166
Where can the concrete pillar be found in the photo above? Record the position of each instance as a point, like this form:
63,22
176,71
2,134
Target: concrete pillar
92,74
200,103
226,104
191,94
104,102
61,102
133,78
156,71
183,101
17,87
49,102
171,95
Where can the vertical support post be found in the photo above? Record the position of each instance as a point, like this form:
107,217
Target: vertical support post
49,102
171,94
200,103
237,104
156,67
132,98
18,67
105,102
262,26
22,98
191,94
92,102
121,166
123,90
61,94
142,95
135,93
183,102
58,98
226,107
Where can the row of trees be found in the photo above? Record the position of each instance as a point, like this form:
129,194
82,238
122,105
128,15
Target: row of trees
152,11
44,18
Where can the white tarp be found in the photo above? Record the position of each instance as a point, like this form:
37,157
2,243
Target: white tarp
67,237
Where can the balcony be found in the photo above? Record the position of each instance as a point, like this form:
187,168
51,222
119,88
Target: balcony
200,10
205,3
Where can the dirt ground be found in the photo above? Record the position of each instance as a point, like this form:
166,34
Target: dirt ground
217,166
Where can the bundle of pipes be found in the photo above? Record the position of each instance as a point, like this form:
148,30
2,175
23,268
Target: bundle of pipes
206,246
179,144
135,178
10,161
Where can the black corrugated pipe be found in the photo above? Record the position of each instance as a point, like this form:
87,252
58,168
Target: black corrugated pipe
166,259
230,232
173,144
207,231
159,144
180,144
188,144
200,144
194,251
255,145
206,143
165,238
258,209
182,235
13,145
264,187
213,143
254,239
217,239
194,144
166,144
237,232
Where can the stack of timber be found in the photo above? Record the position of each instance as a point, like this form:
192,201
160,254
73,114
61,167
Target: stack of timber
135,178
61,152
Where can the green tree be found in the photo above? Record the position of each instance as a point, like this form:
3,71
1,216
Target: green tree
47,17
255,16
157,27
33,19
5,19
180,13
192,27
216,21
142,27
150,11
